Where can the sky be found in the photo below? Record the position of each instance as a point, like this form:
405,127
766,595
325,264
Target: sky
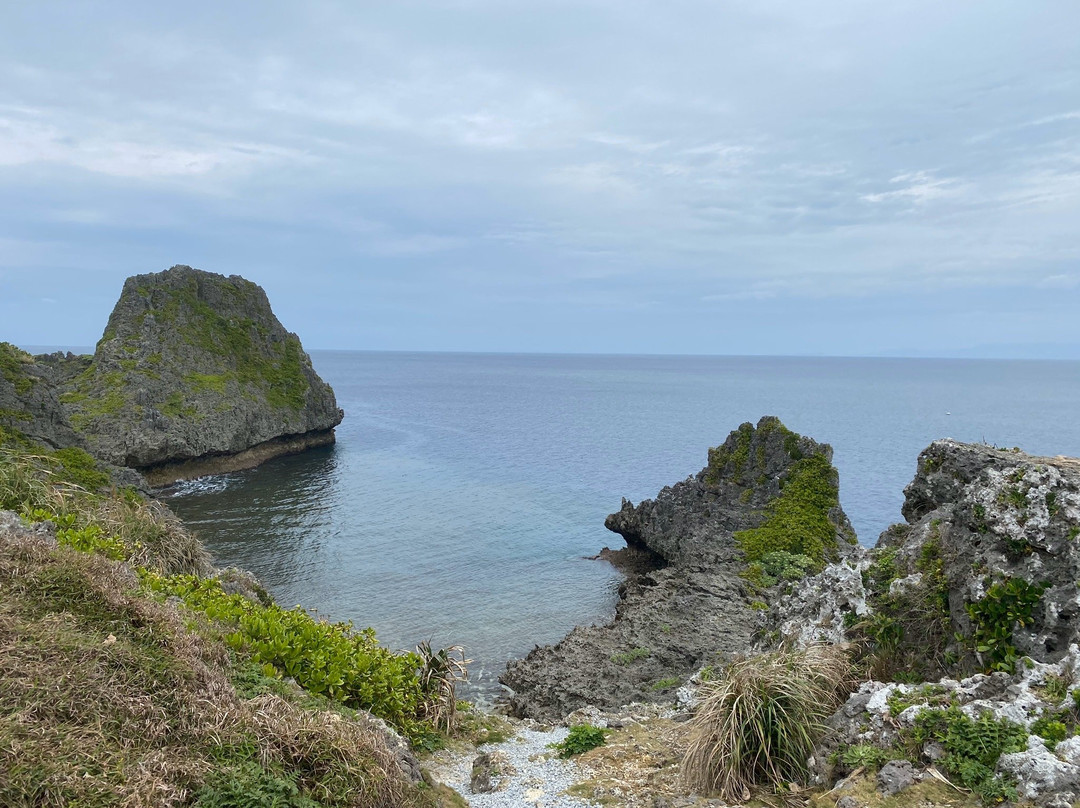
727,177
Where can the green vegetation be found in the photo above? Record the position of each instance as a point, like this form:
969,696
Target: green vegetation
928,694
780,566
1051,730
797,521
868,755
626,657
908,634
759,723
972,748
582,738
666,683
1006,604
13,361
328,659
108,696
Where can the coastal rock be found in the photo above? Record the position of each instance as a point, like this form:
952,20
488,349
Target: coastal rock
697,608
996,526
194,374
29,401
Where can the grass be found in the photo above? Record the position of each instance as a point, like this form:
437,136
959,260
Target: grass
626,657
109,697
759,722
13,361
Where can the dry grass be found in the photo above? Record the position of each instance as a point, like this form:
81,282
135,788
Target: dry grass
154,536
108,698
759,723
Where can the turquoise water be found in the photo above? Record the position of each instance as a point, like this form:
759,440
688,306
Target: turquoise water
466,492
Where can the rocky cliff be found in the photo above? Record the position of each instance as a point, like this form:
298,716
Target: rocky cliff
29,404
195,374
768,497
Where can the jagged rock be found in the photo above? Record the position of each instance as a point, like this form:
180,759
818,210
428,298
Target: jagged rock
29,400
490,771
1043,777
992,516
819,607
696,609
895,776
195,374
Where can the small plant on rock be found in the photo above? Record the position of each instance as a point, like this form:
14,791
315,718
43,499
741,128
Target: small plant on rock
582,738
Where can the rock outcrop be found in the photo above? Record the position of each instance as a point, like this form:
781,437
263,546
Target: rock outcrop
195,374
29,403
698,607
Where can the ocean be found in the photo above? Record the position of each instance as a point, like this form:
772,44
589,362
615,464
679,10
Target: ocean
467,492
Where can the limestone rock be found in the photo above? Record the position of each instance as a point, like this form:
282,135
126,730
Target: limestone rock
993,516
194,367
490,772
895,776
695,609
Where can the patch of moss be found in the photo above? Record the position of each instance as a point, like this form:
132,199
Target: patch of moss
797,521
203,382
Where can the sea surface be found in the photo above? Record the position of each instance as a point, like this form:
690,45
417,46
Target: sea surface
467,492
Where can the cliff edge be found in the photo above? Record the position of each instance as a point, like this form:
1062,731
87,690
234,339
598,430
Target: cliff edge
193,375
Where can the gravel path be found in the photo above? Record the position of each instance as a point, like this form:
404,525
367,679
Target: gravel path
540,776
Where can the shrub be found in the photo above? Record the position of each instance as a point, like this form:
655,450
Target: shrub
1051,730
758,724
972,748
1005,605
329,659
582,738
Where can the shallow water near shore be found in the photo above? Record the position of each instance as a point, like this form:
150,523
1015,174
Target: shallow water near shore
467,491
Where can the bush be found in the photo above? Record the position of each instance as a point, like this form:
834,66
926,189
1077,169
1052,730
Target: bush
582,738
329,659
759,723
972,748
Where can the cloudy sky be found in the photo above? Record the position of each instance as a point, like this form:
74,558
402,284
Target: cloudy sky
725,177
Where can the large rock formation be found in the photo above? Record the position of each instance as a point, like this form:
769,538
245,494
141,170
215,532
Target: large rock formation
28,401
696,606
194,374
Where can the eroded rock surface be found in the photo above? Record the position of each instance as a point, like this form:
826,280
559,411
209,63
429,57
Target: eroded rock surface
194,367
696,609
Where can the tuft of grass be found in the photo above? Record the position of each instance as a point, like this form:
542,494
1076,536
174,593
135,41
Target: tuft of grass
758,724
626,657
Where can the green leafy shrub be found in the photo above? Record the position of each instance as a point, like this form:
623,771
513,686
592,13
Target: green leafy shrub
780,566
665,683
249,785
759,723
972,748
1051,730
329,659
80,468
582,738
91,539
868,755
1005,605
